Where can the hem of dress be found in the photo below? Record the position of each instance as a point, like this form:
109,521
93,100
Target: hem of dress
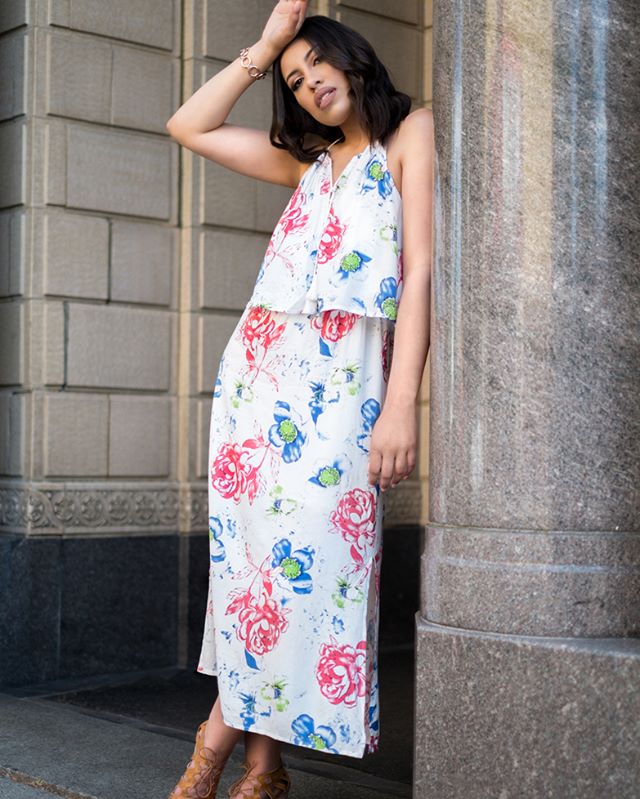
263,731
299,310
238,725
208,672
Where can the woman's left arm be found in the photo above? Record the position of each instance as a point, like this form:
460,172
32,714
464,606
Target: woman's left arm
392,451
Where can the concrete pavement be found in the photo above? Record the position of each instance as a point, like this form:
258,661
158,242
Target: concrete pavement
50,748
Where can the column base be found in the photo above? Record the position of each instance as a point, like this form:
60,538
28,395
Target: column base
501,716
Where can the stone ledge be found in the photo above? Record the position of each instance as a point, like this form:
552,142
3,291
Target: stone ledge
78,509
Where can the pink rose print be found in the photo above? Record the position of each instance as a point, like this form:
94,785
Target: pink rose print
233,472
334,324
341,672
331,239
261,619
325,186
259,327
261,625
355,520
260,334
293,217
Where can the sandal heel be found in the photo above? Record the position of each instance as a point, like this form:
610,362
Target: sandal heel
202,775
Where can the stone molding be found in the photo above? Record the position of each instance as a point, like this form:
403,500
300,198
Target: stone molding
56,508
75,508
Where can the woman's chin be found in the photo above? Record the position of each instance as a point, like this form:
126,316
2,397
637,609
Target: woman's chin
333,118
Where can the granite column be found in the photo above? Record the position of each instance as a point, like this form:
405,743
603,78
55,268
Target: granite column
528,635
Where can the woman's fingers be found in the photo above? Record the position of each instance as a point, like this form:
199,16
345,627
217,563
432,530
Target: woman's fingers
400,469
386,470
375,462
285,21
389,468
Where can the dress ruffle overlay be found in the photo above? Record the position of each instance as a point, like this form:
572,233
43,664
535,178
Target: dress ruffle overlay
295,529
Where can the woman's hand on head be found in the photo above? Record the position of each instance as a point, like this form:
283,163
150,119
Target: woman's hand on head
283,24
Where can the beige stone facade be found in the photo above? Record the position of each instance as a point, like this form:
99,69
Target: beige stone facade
126,260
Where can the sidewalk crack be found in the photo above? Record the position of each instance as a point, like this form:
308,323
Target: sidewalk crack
37,782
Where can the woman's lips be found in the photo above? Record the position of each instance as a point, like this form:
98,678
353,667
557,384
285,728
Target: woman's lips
325,98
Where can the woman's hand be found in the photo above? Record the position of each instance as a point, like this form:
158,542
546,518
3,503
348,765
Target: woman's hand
392,451
283,24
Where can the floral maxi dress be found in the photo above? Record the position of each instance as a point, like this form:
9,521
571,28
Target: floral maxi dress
291,626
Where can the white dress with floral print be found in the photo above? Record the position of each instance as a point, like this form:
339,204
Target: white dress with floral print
291,627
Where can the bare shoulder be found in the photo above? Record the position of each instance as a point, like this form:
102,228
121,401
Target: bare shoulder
414,132
412,141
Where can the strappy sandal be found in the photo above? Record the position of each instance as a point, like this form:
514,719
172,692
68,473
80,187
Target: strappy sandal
274,784
203,772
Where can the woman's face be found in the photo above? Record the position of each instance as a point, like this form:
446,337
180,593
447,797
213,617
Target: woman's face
321,89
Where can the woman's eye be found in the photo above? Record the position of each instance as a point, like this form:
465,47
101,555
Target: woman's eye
295,84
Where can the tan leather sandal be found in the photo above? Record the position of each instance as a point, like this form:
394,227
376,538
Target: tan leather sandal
203,772
274,784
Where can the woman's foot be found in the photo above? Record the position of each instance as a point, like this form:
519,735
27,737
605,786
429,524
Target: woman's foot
214,743
258,784
202,774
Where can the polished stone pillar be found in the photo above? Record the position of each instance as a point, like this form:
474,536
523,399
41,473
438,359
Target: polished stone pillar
528,635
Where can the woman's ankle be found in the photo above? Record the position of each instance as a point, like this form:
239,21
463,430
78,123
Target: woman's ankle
221,739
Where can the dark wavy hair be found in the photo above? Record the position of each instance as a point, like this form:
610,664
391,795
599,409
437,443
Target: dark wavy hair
379,106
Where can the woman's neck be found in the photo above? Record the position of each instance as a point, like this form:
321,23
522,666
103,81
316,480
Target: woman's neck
355,137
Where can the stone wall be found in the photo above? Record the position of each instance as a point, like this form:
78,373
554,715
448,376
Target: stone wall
125,262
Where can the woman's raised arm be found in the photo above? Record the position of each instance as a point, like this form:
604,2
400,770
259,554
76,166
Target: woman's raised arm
199,124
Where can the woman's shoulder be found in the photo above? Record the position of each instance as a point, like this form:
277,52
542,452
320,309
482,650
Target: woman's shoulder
408,141
414,127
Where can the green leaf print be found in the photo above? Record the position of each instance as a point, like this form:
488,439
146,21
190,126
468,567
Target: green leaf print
242,393
273,692
281,505
347,376
345,592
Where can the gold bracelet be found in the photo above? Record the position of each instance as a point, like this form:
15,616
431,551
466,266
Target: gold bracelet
245,61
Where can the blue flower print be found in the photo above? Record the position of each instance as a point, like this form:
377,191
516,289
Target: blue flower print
294,565
351,263
248,715
319,401
306,735
330,473
286,432
216,545
373,715
377,178
345,732
369,410
386,298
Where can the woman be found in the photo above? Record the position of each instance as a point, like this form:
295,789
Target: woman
301,445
